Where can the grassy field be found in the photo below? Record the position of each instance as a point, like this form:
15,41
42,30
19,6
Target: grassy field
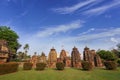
67,74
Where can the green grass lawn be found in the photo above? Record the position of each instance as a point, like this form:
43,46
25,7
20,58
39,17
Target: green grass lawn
67,74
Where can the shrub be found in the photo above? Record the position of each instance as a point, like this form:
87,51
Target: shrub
87,65
27,66
60,65
8,67
110,65
40,66
118,61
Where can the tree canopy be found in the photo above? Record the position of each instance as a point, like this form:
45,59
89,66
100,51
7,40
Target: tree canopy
118,46
106,55
26,48
11,37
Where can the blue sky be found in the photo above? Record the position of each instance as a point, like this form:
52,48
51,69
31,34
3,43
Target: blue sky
44,24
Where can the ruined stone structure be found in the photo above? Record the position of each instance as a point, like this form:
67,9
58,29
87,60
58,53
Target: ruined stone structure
91,56
65,59
38,59
75,58
52,58
73,61
4,51
63,55
34,60
42,58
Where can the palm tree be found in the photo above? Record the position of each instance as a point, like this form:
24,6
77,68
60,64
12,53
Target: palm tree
26,48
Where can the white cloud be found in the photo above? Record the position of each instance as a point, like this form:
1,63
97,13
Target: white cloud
102,9
68,10
109,33
60,28
45,44
87,5
113,40
88,31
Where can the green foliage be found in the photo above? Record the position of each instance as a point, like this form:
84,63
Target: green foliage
106,55
60,66
27,66
8,68
110,65
26,48
116,52
22,56
87,65
118,61
11,37
118,45
40,66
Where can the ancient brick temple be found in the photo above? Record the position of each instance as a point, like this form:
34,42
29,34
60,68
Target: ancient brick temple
38,59
75,58
4,51
91,56
65,58
34,59
52,58
42,58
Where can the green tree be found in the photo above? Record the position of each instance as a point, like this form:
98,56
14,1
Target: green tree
20,55
118,46
26,48
116,52
106,55
11,37
118,49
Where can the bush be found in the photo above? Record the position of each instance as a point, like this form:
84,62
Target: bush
8,67
60,65
110,65
87,65
118,61
27,66
40,66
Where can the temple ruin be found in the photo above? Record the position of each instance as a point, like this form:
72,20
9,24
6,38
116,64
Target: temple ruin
75,58
4,51
38,59
65,58
52,58
34,59
91,56
42,58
